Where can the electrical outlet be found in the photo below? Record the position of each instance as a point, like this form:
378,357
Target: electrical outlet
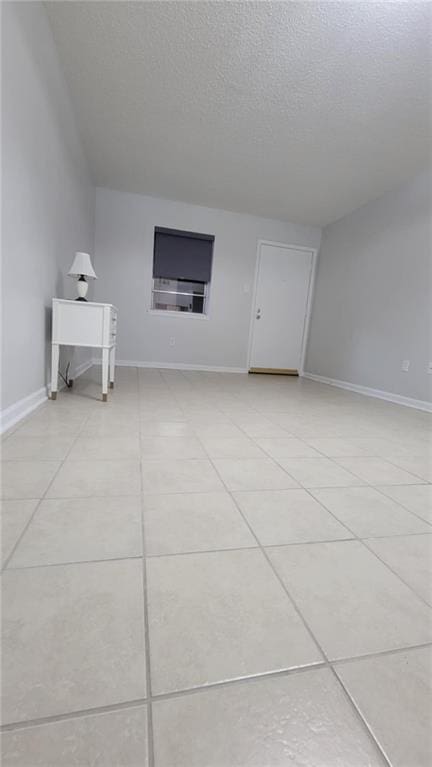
172,341
429,369
405,365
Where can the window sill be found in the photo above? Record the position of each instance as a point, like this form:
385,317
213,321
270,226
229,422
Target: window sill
167,313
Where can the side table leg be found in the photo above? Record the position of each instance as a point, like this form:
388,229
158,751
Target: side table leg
112,367
105,362
55,352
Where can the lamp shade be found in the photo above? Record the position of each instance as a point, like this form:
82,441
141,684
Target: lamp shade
82,265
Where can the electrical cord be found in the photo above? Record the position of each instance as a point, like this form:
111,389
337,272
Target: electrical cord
65,377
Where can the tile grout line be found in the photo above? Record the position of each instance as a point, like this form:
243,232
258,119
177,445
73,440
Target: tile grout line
190,492
11,726
349,698
363,540
30,520
333,459
327,662
379,489
333,671
150,733
418,476
43,565
70,715
381,653
353,534
411,588
213,551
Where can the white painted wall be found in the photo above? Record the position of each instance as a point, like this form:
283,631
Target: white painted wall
124,251
47,197
373,295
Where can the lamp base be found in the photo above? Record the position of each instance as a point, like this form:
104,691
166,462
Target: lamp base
82,288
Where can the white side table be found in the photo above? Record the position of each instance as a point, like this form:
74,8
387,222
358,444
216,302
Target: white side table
84,323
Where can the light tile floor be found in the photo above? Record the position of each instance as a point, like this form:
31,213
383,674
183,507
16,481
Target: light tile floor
216,570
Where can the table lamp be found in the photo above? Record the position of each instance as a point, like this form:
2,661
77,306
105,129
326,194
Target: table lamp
82,268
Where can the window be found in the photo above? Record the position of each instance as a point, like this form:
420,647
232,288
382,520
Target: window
182,263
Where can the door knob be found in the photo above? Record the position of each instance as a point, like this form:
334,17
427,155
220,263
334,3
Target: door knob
258,315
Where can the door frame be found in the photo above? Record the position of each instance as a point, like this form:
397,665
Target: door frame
311,287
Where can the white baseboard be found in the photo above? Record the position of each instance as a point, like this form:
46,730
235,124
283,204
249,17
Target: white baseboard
398,399
19,410
174,366
16,412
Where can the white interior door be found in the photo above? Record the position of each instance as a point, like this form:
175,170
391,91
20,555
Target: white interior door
282,291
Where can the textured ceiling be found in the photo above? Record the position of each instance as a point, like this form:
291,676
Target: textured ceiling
299,111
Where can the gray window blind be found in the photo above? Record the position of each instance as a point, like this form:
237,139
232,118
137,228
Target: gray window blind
182,255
